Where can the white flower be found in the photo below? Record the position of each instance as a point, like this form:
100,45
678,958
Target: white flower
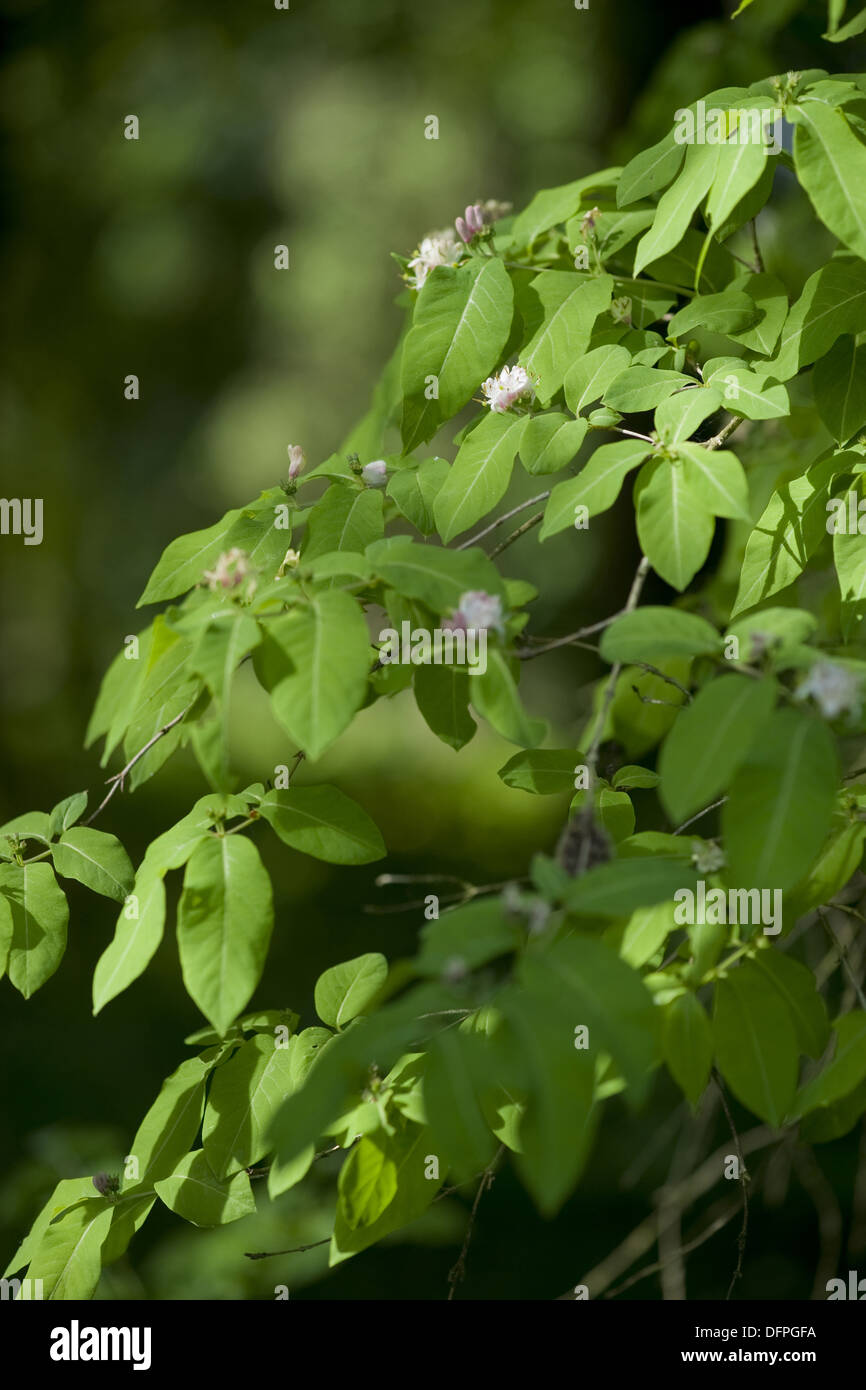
232,569
834,689
708,858
297,459
507,387
375,474
439,248
290,561
478,611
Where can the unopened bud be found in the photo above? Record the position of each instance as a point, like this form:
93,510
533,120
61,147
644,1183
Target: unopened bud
375,474
475,217
464,231
297,460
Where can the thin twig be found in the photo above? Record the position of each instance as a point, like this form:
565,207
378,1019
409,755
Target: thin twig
572,639
744,1183
458,1271
705,812
515,535
296,1250
479,535
116,782
843,956
759,259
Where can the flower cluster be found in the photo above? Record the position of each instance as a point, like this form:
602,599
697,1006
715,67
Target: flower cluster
232,570
835,689
507,387
439,248
477,611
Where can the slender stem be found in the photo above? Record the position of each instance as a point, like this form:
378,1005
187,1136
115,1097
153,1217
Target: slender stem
458,1272
515,535
744,1182
296,1250
116,782
705,812
473,540
759,259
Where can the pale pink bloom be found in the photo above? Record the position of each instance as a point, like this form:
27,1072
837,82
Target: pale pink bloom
834,689
297,460
507,387
439,248
375,474
477,611
232,569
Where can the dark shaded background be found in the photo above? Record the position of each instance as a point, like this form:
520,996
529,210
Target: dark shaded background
156,258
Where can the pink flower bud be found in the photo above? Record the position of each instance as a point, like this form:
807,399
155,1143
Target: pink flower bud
464,231
475,217
297,460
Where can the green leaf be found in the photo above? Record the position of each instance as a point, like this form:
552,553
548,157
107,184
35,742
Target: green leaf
550,206
183,561
631,776
755,1043
646,932
741,163
442,696
459,329
403,1156
674,526
415,490
472,934
590,376
745,393
709,741
839,385
687,1042
831,165
193,1192
323,822
650,170
95,859
716,476
615,889
136,937
596,486
585,979
678,204
435,576
66,813
244,1096
480,474
730,312
39,913
220,648
545,771
67,1259
495,696
561,325
643,388
346,518
791,527
651,634
550,442
224,923
796,987
171,1124
556,1127
460,1066
781,802
344,991
328,646
845,1070
770,298
368,1182
833,302
678,416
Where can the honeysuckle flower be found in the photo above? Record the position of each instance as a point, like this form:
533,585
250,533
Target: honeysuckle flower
588,223
232,569
477,611
439,248
835,689
297,460
709,858
290,561
507,387
375,474
472,224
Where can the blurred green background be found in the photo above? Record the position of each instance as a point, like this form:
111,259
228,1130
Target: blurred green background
156,257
